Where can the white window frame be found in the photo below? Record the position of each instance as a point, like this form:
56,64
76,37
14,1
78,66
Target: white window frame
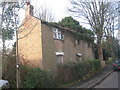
57,34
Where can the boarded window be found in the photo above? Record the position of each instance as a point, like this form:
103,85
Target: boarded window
59,59
78,56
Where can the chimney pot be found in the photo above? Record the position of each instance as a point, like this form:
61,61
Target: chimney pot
27,3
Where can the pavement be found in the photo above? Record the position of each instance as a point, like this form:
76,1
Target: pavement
91,82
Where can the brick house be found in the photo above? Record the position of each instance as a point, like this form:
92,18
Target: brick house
43,45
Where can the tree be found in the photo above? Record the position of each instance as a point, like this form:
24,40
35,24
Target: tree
9,24
71,23
80,32
45,14
96,13
111,23
9,21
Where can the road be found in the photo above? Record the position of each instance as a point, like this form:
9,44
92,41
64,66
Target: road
112,81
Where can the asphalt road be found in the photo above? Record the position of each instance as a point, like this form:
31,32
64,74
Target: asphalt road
112,81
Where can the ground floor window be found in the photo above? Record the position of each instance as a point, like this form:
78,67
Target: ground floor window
59,57
78,56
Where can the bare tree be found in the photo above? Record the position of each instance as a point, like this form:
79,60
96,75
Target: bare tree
111,25
45,13
111,20
96,13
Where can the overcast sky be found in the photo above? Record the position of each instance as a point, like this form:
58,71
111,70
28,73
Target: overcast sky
58,7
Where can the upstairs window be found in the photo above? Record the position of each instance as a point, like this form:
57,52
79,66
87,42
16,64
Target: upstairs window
57,34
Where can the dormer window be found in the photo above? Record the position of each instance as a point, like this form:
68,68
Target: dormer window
57,34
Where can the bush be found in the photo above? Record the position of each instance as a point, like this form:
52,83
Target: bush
80,70
37,78
95,65
109,62
9,70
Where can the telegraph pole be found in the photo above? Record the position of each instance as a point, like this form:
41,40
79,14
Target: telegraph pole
17,57
17,63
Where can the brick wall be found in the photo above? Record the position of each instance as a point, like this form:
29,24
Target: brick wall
30,46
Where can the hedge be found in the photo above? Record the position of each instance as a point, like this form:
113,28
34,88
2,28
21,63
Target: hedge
70,71
78,71
37,78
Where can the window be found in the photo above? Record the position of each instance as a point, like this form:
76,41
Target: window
59,56
59,59
79,56
57,34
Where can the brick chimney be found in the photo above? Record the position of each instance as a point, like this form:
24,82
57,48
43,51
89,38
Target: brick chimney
29,9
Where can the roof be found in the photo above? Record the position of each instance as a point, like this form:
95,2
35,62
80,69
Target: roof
51,24
57,26
54,24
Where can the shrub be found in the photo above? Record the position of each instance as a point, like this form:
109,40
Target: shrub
109,62
37,78
80,70
95,65
9,70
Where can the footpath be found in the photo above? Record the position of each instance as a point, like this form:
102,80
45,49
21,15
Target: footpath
91,82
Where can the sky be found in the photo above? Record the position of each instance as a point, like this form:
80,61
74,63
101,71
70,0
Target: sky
58,7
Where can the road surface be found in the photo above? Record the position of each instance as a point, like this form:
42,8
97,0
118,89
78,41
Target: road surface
112,81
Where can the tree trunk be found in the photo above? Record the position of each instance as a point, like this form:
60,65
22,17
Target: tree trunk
3,59
100,51
3,51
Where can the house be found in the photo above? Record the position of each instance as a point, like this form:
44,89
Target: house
43,45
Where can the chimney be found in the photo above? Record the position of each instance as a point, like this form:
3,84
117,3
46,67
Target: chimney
29,9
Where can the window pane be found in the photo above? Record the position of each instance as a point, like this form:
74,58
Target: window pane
57,34
62,36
